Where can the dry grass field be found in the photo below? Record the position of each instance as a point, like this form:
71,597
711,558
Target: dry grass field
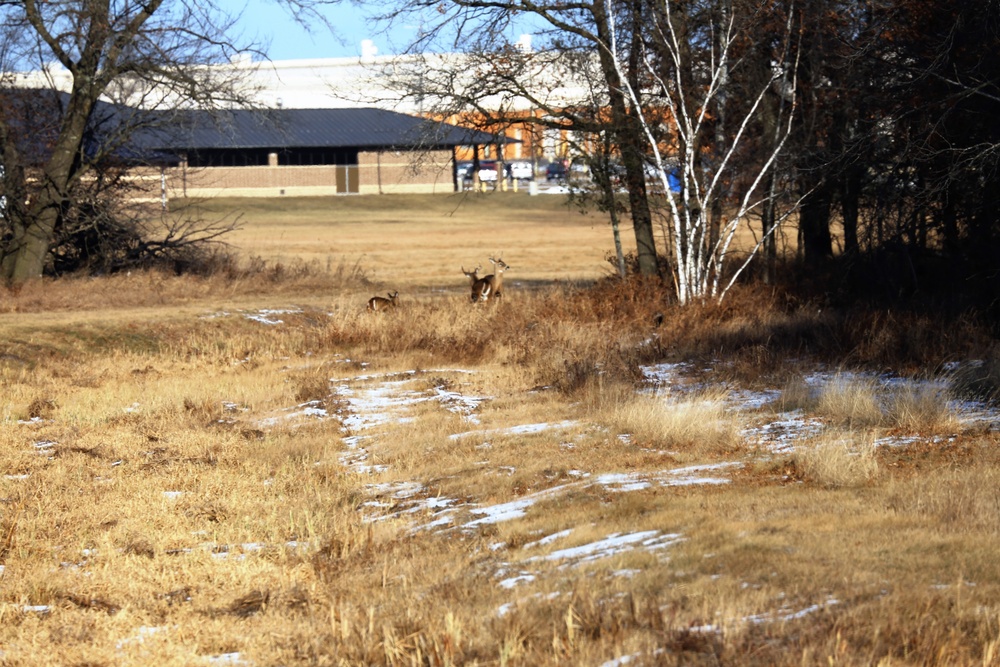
253,470
420,242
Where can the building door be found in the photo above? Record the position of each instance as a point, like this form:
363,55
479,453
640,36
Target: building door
347,179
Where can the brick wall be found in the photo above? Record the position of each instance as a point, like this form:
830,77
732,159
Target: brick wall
386,172
392,172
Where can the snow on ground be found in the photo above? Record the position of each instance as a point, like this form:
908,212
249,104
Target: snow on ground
522,429
367,401
269,316
370,400
375,400
779,433
686,476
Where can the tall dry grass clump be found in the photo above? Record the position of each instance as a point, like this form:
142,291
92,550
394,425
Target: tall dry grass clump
856,401
697,425
977,379
796,394
921,407
838,460
851,401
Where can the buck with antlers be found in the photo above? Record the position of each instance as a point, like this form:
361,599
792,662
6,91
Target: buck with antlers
490,287
377,304
472,275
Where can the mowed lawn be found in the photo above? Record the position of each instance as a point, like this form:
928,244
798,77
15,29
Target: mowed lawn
421,242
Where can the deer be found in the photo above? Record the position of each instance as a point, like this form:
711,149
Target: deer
472,275
378,304
491,286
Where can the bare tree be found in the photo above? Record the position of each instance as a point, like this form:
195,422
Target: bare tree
564,83
150,55
691,73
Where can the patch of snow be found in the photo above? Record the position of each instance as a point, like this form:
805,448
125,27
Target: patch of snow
745,400
687,476
614,544
32,421
306,410
976,413
513,582
270,315
226,659
666,374
399,490
627,573
780,435
782,615
40,609
522,429
44,447
460,403
623,482
143,633
787,614
514,509
549,539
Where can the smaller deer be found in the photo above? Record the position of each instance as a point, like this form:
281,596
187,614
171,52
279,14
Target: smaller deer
377,304
474,274
491,286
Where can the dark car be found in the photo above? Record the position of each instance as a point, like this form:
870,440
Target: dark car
556,171
463,170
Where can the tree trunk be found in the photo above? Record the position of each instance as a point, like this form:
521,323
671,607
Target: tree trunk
814,226
850,194
31,249
628,133
770,241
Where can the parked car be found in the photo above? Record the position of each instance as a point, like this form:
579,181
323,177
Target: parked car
556,171
463,170
521,170
487,171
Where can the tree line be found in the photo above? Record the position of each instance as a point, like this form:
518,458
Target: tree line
867,130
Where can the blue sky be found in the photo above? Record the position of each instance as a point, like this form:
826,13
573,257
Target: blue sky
266,21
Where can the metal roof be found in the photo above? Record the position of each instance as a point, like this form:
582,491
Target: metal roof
141,136
361,128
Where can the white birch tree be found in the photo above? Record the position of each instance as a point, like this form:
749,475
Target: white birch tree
704,158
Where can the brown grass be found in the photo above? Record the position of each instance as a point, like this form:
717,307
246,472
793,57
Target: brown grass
166,498
839,460
398,238
697,425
